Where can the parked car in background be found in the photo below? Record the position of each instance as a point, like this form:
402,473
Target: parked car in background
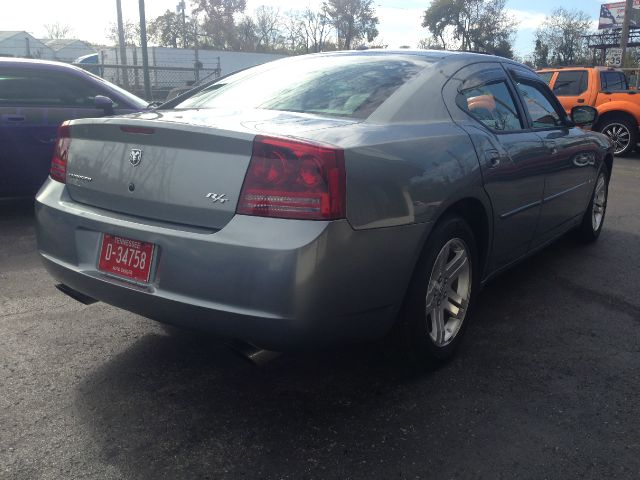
608,91
323,199
35,98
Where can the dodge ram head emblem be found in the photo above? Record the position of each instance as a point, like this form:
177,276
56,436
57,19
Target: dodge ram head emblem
135,156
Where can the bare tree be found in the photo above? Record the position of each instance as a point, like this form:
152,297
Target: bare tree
316,27
57,30
562,34
267,20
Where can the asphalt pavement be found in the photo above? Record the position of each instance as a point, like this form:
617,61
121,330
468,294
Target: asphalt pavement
546,384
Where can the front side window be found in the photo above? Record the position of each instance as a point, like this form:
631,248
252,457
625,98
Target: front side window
492,105
541,110
36,88
570,83
613,81
346,85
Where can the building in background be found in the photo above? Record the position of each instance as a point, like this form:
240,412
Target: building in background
22,44
68,49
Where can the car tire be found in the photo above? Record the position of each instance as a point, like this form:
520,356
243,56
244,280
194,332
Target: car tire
623,132
429,330
593,219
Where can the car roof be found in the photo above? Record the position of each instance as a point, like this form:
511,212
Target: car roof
14,61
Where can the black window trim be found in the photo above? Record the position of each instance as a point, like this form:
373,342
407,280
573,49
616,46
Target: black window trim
514,76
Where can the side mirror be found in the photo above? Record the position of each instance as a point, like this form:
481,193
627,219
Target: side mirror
104,103
584,115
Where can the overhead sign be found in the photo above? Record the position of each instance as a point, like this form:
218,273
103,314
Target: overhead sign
612,15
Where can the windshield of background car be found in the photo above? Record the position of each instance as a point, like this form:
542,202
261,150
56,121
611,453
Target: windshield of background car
135,101
546,76
346,86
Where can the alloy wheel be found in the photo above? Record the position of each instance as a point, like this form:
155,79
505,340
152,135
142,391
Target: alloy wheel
620,135
599,203
448,292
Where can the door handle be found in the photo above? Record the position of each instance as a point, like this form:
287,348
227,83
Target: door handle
493,158
14,118
580,100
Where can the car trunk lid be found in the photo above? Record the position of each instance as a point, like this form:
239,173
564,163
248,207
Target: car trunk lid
184,167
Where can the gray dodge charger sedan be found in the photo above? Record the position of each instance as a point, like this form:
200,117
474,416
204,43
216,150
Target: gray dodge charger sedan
323,199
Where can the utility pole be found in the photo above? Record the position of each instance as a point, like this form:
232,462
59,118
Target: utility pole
624,38
123,47
145,55
180,8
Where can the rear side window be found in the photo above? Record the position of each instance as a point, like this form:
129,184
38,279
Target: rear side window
546,77
613,81
346,85
492,105
37,88
570,83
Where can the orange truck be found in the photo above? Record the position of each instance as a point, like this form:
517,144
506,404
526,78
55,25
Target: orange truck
608,91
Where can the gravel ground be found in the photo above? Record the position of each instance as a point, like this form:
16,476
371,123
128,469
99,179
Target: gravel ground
545,386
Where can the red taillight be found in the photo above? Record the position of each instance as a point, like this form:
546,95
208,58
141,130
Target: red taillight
289,179
58,169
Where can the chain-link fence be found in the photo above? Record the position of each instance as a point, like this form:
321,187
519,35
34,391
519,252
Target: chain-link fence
163,79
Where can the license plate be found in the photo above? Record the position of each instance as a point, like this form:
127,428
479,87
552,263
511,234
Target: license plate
126,258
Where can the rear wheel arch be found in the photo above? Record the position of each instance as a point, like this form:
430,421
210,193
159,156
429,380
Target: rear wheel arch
474,212
477,215
611,114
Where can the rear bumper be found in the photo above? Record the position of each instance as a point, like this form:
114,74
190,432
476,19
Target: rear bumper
281,284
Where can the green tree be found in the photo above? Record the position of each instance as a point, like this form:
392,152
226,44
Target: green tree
353,21
131,33
562,33
219,27
476,25
168,30
541,54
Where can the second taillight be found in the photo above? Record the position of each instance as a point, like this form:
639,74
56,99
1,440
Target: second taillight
58,169
289,179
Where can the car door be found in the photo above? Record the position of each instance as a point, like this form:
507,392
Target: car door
33,102
570,162
511,157
571,88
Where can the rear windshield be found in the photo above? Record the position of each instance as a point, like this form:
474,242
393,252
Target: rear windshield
345,86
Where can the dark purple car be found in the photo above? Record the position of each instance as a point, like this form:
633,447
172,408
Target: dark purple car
35,97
